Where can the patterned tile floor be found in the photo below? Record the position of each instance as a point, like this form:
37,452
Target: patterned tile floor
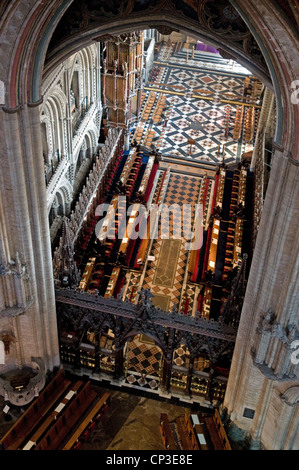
134,281
144,358
181,190
143,361
167,280
194,108
181,357
189,116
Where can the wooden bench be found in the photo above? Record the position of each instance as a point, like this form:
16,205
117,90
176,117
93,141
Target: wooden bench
24,426
48,422
186,435
169,442
217,432
88,421
63,426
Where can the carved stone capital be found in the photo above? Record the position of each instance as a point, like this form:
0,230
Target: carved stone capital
291,396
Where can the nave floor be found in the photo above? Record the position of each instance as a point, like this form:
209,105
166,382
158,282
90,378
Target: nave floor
132,422
202,99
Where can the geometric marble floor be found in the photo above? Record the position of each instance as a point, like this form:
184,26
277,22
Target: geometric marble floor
198,103
168,284
201,105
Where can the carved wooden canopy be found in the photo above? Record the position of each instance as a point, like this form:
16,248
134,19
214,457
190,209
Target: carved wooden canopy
78,311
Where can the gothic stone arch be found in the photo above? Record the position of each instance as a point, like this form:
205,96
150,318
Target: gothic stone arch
27,30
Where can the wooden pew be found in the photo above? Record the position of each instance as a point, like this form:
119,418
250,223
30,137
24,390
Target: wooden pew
56,435
217,432
221,431
191,438
188,443
210,425
87,273
112,282
168,440
238,122
24,426
48,422
146,176
100,405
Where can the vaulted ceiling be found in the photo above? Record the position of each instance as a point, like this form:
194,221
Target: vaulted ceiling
216,22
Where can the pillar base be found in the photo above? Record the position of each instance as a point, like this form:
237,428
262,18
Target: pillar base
241,439
19,386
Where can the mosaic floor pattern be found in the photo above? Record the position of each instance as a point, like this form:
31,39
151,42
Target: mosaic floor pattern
161,301
166,266
181,190
143,359
181,357
201,106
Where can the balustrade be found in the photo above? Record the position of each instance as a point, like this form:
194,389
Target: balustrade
84,211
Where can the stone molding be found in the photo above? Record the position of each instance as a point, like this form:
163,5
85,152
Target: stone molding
291,396
274,339
16,275
30,391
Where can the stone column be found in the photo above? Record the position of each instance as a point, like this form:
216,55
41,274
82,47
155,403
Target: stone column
127,140
24,214
69,126
270,311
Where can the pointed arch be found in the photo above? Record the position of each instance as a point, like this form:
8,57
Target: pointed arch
53,115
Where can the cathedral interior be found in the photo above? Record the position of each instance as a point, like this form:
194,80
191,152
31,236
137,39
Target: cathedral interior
149,225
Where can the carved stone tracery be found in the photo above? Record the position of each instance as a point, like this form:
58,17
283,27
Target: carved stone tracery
16,273
275,341
223,18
